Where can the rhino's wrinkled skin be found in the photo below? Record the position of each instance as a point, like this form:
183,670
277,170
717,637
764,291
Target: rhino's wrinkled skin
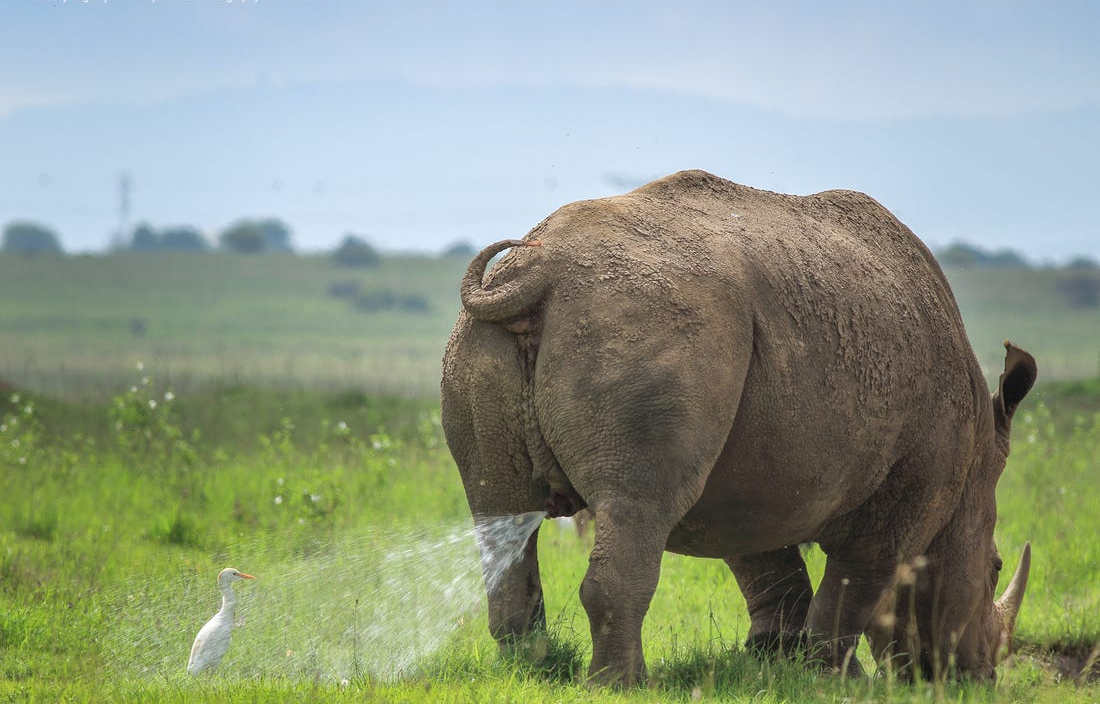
726,372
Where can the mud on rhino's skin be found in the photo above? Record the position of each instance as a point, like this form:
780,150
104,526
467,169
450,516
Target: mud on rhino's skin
727,372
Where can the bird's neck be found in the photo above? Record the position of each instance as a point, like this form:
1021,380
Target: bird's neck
229,600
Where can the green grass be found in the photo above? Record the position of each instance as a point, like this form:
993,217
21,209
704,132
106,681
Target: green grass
275,428
107,559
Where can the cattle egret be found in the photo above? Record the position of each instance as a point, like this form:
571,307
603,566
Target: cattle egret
213,638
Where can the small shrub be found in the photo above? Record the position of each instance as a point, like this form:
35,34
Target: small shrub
344,289
179,530
145,426
20,433
386,300
38,524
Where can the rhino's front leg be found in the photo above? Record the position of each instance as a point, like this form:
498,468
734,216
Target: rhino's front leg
842,609
623,571
777,590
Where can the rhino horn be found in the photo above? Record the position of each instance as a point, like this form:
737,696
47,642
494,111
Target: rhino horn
1009,603
503,302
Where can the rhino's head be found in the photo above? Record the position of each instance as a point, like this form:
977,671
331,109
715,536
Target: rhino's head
943,609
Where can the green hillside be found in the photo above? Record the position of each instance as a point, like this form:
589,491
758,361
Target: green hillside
78,325
72,326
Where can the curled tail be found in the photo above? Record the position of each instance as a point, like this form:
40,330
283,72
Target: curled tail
507,300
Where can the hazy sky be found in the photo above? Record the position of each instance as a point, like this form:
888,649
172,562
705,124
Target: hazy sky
416,124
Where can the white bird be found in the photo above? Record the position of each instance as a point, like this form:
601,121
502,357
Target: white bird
213,638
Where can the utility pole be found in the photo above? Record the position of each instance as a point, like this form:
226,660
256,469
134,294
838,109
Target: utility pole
119,239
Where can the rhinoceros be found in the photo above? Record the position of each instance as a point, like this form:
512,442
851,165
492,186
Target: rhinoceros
726,372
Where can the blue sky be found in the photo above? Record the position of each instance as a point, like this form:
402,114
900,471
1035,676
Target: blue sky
416,124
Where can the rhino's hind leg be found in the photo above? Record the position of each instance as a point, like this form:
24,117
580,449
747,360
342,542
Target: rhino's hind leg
516,606
624,568
777,591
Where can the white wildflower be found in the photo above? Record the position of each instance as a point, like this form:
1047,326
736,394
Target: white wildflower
152,403
278,500
169,396
15,399
140,366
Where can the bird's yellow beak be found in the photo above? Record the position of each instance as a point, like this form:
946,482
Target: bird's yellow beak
242,575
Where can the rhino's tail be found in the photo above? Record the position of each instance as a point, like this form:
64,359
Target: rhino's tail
507,300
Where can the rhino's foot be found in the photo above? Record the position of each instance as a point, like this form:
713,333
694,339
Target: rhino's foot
837,658
776,645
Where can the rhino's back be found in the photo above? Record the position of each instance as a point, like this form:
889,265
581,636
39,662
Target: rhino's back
860,363
834,272
858,353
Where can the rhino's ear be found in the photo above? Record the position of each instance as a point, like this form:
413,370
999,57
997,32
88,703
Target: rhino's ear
1016,380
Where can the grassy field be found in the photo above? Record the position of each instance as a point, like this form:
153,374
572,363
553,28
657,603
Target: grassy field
75,326
274,427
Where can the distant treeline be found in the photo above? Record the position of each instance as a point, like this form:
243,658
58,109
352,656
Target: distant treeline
267,235
1077,282
246,236
962,255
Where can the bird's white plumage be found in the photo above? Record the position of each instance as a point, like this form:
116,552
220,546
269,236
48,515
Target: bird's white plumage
213,638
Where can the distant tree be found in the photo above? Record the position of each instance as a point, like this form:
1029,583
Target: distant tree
276,235
1082,264
255,236
145,239
183,238
460,249
23,237
1006,259
961,255
1080,288
356,252
243,237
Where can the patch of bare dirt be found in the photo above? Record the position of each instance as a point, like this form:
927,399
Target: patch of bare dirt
1073,661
